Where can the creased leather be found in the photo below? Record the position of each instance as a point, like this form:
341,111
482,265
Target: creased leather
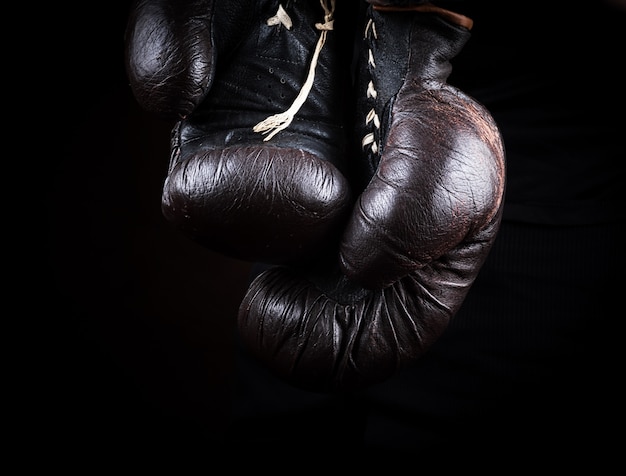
427,215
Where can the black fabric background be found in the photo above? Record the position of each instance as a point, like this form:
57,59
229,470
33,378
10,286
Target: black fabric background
134,350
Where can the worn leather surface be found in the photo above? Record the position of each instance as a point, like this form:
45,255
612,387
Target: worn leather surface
429,208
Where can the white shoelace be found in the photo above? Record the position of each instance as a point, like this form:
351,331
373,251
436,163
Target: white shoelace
272,125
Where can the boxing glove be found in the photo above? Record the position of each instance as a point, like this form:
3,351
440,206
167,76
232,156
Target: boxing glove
257,91
430,169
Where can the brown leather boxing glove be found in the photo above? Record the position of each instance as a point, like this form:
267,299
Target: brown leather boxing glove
430,169
257,88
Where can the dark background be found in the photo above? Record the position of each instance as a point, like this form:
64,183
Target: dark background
134,342
137,332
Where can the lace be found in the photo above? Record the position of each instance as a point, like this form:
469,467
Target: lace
272,125
372,118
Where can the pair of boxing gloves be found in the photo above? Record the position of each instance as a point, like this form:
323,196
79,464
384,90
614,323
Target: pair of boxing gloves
321,138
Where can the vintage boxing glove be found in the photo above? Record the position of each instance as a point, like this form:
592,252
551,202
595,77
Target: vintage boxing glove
257,87
431,168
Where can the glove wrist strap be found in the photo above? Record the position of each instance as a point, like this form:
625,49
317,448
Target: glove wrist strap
453,17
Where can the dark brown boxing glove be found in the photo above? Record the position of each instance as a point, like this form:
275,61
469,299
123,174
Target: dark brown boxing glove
257,90
431,175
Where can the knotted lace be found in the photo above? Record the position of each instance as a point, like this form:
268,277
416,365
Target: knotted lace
272,125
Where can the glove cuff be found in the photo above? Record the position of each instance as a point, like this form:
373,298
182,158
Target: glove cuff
452,17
